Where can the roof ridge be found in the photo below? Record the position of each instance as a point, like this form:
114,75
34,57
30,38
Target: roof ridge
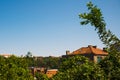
91,48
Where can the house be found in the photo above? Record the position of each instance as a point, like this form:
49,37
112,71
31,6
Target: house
34,70
48,72
51,72
92,52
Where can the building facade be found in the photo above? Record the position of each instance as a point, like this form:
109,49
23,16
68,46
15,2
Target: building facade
92,52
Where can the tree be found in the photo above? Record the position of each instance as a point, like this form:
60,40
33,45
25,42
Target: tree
40,76
79,68
95,18
51,62
14,68
30,60
48,62
111,64
29,55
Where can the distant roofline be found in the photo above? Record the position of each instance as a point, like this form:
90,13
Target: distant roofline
93,49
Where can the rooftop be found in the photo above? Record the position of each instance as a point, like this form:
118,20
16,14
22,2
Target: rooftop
89,50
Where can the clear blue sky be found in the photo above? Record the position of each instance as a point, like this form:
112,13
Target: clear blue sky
50,27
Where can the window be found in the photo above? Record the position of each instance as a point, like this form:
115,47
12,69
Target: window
99,58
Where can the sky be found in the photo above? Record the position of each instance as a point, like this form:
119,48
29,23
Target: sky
50,27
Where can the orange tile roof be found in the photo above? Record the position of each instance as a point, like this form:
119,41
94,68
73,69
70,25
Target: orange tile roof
51,72
89,50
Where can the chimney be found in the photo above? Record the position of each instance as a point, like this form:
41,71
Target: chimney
94,46
105,49
67,52
89,45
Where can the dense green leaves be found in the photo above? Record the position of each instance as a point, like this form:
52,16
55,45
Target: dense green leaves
47,62
72,62
40,76
79,68
111,64
14,68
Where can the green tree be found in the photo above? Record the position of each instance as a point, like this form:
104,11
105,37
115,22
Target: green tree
14,68
30,60
79,68
95,18
40,76
111,64
29,54
51,62
48,62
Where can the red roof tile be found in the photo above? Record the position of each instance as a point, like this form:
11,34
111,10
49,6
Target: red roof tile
89,50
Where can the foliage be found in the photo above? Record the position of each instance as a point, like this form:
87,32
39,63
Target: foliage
40,76
111,64
14,68
51,62
95,18
79,68
29,54
48,62
71,68
72,62
30,61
